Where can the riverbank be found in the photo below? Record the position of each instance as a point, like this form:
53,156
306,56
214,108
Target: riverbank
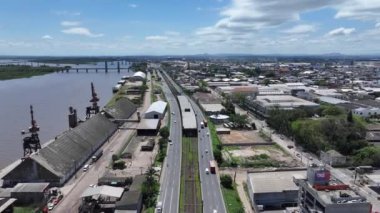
8,72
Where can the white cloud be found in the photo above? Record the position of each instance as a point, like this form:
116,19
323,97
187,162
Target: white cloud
341,31
66,13
70,23
47,37
300,29
172,33
377,24
359,9
156,38
81,31
133,5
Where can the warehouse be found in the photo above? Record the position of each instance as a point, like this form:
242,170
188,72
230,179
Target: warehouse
148,127
121,110
156,110
56,162
190,126
131,201
138,76
273,189
212,109
28,193
263,104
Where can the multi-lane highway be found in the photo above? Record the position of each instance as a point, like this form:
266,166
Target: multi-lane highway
171,173
211,192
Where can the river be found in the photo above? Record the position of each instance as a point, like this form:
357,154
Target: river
51,95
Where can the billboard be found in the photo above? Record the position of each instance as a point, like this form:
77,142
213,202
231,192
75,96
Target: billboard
322,176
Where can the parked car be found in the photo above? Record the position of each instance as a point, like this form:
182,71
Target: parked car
207,171
85,168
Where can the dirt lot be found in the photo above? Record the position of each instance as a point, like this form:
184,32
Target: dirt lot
243,137
206,98
259,153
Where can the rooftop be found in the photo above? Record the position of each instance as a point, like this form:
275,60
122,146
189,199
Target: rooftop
30,187
158,106
187,113
107,191
283,101
212,107
148,124
274,181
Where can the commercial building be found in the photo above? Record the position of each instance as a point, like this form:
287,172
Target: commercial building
233,90
56,162
189,124
138,76
333,158
273,189
148,127
367,112
320,193
263,104
156,110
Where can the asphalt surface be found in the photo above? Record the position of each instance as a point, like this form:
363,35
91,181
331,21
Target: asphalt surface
210,185
171,173
211,191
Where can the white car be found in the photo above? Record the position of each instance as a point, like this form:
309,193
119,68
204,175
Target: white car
208,134
207,171
173,113
175,121
171,143
206,151
50,206
85,168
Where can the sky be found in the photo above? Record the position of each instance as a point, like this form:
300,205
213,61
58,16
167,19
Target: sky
185,27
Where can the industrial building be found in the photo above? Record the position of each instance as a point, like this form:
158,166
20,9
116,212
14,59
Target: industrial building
131,201
212,109
262,105
189,126
250,90
56,162
156,110
30,193
273,189
6,205
333,158
148,127
138,76
121,110
320,193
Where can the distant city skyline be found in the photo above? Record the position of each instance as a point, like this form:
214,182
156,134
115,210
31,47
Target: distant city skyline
177,27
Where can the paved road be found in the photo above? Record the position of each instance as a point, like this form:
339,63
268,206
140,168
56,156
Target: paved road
171,173
211,192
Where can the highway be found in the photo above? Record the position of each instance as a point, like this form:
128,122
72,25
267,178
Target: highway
211,192
210,185
171,173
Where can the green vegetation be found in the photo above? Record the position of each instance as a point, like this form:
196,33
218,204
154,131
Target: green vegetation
23,209
332,131
150,189
139,66
368,156
163,145
22,71
216,144
164,132
226,181
232,200
118,164
190,177
239,120
229,106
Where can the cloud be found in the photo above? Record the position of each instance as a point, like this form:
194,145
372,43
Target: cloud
70,23
300,29
341,31
156,38
172,33
47,37
359,9
133,5
66,13
81,31
377,24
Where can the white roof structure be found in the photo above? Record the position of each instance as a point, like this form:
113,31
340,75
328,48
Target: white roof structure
106,191
188,115
139,74
158,106
331,100
283,101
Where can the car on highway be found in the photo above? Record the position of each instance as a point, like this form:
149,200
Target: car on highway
170,143
208,134
175,121
214,211
85,168
207,171
290,147
206,151
173,113
50,206
310,158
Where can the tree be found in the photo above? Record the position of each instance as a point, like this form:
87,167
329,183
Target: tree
150,188
164,132
332,111
226,181
349,117
115,157
239,120
369,155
